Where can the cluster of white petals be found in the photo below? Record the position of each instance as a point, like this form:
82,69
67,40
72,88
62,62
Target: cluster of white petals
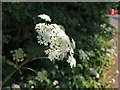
55,82
83,55
93,72
59,44
45,17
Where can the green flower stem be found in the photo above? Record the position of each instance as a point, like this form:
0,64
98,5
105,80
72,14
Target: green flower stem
8,77
19,68
30,69
25,62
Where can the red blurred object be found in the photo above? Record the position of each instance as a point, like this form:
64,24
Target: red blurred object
112,11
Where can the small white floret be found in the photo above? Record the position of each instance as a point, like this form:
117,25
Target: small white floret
44,17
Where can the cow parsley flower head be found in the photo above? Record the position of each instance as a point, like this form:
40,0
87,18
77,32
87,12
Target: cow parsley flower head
93,72
55,82
45,17
83,55
15,86
59,45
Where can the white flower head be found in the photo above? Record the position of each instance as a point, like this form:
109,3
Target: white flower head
30,82
83,55
117,71
32,86
44,17
97,76
113,80
55,82
93,72
15,86
59,45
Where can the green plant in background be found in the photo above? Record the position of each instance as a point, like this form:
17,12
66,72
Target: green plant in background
90,36
41,76
18,55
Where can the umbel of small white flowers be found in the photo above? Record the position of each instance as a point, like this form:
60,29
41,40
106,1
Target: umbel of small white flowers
59,44
45,18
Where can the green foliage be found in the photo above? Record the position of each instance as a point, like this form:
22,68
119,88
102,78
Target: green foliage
87,23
